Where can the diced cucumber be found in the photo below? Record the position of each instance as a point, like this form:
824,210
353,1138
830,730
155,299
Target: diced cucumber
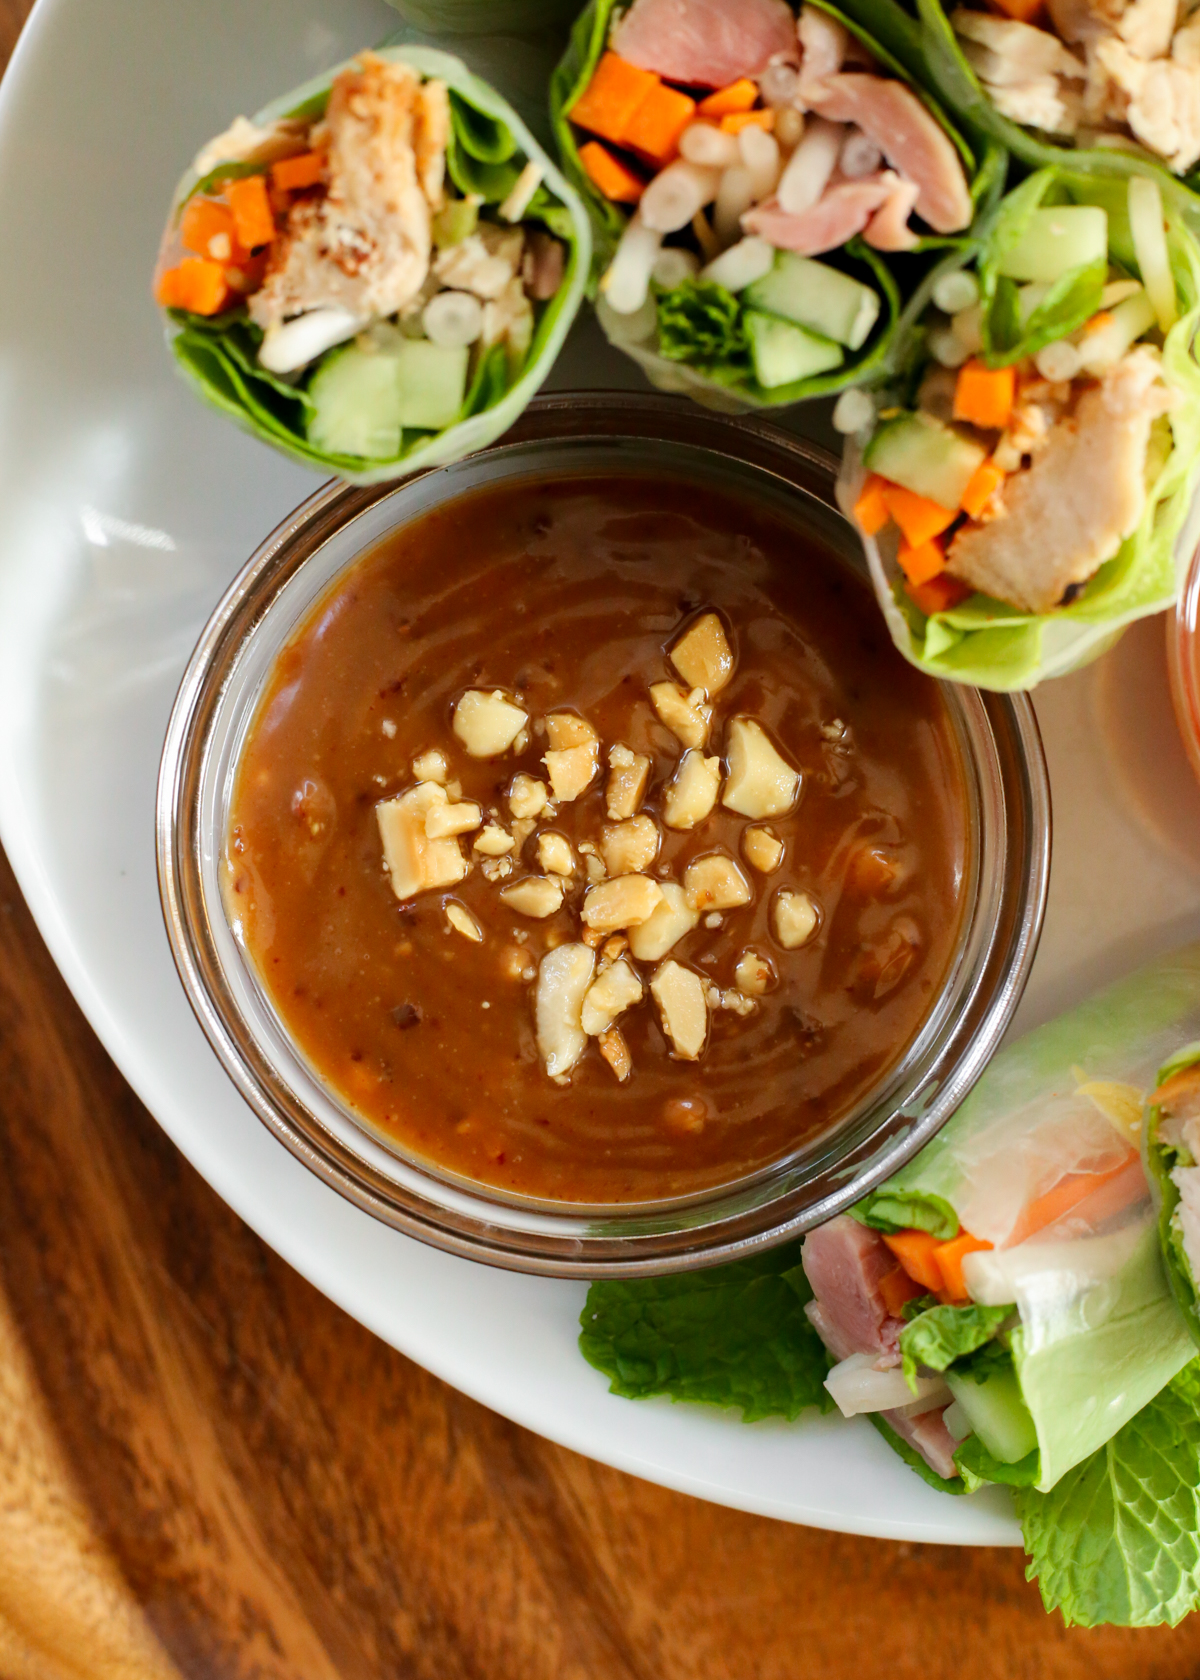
1056,240
357,405
926,457
996,1412
818,297
432,381
783,352
1107,343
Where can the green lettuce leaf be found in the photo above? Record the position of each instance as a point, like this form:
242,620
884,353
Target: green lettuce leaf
892,1210
733,1335
944,1334
977,1467
1117,1540
702,323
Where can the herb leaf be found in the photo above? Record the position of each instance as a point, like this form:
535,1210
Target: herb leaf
701,322
893,1210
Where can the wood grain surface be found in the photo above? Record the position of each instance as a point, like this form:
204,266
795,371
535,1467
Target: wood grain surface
208,1471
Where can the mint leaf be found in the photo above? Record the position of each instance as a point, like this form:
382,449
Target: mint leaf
1117,1540
977,1466
700,322
731,1336
907,1210
946,1333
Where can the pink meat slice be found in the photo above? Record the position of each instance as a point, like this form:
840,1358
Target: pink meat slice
908,137
842,211
705,43
888,229
844,1263
928,1435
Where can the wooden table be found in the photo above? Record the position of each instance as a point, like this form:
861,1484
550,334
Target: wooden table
208,1471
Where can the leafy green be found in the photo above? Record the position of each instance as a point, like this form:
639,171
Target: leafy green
987,1358
914,1308
1161,1159
893,1210
977,1467
911,1457
944,1334
700,322
734,1335
1117,1540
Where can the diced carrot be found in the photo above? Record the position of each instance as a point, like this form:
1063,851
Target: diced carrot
985,481
654,129
205,220
610,175
196,284
1102,318
1023,10
736,121
921,561
738,96
1067,1194
896,1288
919,518
607,104
939,594
917,1253
871,510
247,275
984,396
293,174
950,1256
252,217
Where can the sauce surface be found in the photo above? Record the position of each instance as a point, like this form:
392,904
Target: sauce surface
567,594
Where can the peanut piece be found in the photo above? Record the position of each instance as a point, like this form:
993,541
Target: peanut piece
554,854
462,921
753,975
527,797
572,769
611,994
534,896
794,917
414,862
486,723
623,903
693,791
702,655
761,782
714,882
684,713
679,994
459,818
568,729
564,976
672,918
762,850
493,841
631,846
432,766
627,777
616,1053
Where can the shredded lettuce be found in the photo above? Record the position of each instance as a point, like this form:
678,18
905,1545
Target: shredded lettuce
892,1209
701,322
943,1334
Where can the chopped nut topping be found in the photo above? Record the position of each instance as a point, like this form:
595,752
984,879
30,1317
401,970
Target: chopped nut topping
564,976
527,797
535,896
672,918
762,850
714,882
461,818
462,921
522,829
684,713
615,991
702,655
679,994
572,769
596,871
554,854
630,846
761,782
593,937
627,778
624,903
567,729
615,946
493,841
794,917
835,730
432,766
486,723
616,1053
414,862
497,868
693,792
753,974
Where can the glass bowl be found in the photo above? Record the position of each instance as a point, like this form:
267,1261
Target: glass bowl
1008,846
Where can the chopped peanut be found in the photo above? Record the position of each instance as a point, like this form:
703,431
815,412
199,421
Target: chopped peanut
572,769
761,782
673,917
684,713
459,818
631,846
486,723
414,862
714,882
627,777
492,841
702,655
617,989
794,917
762,850
568,729
462,921
753,974
564,976
624,903
692,794
679,994
554,854
527,797
535,896
432,766
616,1053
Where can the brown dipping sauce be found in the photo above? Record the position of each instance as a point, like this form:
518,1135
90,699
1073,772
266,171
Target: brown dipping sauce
566,594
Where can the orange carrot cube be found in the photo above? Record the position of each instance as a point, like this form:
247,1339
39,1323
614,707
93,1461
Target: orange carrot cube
896,1288
919,518
252,216
985,481
939,594
196,284
656,125
916,1252
984,396
738,96
736,121
293,174
871,509
204,221
920,562
610,175
950,1256
607,104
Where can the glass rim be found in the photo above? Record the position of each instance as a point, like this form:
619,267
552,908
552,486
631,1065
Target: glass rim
1009,853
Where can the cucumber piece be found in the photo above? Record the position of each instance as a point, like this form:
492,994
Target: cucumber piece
783,353
431,380
1057,240
996,1412
1128,320
924,456
818,297
357,408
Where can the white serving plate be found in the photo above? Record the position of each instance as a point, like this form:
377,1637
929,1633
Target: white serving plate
125,508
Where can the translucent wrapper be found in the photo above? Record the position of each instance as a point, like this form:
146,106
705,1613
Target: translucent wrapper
488,148
902,281
1042,1162
1172,1163
988,643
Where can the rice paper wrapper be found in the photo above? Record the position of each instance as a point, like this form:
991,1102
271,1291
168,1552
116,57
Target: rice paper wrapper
1175,1186
1100,1331
490,144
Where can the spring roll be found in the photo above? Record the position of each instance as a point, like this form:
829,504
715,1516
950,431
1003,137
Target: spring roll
376,272
1172,1152
1000,1306
765,184
1028,489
